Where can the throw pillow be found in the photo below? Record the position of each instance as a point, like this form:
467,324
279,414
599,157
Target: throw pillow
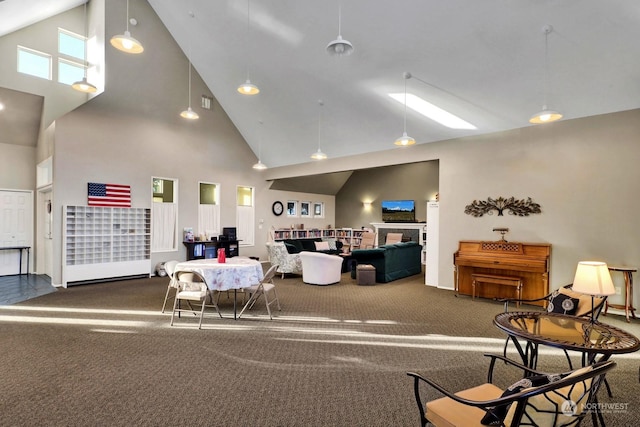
495,416
291,248
561,303
322,246
332,244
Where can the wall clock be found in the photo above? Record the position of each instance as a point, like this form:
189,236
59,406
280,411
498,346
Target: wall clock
277,208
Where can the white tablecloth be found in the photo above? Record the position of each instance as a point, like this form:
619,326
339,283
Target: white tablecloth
236,273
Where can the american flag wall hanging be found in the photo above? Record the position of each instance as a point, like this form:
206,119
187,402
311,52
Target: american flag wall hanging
110,195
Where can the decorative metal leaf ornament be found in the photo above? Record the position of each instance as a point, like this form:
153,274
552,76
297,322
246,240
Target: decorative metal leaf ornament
513,206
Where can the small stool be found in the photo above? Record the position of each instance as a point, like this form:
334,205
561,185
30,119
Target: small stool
497,280
628,293
366,274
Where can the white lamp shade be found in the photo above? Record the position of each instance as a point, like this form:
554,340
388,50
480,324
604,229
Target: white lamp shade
545,116
248,88
189,114
126,43
593,278
84,86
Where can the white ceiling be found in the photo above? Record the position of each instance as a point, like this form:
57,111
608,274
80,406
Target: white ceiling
481,60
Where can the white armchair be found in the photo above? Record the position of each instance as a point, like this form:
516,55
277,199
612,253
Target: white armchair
287,263
320,269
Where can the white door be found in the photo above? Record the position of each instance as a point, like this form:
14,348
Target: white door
16,225
48,234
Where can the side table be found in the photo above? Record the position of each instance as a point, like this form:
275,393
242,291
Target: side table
628,292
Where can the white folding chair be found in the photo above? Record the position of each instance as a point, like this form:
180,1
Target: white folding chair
192,287
265,286
169,267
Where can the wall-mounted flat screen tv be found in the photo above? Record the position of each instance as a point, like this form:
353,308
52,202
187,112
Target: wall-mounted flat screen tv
398,211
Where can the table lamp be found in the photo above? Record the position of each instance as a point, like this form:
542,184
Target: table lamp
593,278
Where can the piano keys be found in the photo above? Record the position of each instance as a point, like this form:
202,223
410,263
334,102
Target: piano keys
529,261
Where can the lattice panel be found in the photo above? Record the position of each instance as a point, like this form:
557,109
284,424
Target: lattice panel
502,247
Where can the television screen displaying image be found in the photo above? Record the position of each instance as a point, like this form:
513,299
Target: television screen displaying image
398,211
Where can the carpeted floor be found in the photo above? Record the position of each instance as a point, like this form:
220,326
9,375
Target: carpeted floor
104,355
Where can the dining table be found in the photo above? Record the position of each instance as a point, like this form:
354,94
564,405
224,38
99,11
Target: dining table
232,274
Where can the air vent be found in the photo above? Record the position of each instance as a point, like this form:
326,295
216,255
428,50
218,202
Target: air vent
207,102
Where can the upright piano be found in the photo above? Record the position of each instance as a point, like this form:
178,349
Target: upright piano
529,261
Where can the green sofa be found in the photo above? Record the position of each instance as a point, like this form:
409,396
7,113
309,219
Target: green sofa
392,262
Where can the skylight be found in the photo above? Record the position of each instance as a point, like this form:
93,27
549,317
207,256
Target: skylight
432,112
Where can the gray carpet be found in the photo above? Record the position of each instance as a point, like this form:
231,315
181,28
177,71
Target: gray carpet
104,355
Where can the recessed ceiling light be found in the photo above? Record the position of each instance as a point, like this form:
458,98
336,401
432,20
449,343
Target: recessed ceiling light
431,111
1,106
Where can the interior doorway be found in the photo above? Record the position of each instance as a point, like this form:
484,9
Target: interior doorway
16,229
44,232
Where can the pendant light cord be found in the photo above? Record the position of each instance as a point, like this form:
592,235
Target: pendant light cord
547,30
247,41
405,103
319,121
86,37
127,15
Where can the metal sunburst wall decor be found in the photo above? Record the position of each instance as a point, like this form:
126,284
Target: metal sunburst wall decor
513,206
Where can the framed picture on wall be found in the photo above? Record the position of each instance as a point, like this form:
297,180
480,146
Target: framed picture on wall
305,209
318,210
292,208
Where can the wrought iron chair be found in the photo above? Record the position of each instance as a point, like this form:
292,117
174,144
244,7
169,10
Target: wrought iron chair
537,400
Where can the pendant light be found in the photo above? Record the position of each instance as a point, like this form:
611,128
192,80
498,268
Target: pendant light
405,140
319,155
83,85
340,47
546,115
125,42
189,113
248,88
260,166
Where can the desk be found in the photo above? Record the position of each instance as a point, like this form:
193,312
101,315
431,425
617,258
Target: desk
596,341
236,273
20,249
628,293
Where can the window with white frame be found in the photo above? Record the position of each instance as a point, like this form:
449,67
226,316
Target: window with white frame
34,63
318,210
245,215
209,209
71,48
164,215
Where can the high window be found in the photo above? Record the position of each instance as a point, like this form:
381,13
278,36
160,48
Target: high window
34,63
164,215
245,215
209,209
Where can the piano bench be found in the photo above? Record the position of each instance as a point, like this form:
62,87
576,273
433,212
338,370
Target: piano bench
497,280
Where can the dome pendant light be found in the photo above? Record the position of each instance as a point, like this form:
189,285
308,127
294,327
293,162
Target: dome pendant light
319,155
260,166
248,88
83,85
405,140
189,113
125,42
546,115
340,46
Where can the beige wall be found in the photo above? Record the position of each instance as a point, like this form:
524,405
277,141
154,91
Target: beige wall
18,167
412,181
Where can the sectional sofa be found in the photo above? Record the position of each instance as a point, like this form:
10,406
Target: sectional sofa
392,262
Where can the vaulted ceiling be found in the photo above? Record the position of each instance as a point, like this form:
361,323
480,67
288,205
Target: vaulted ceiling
483,61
